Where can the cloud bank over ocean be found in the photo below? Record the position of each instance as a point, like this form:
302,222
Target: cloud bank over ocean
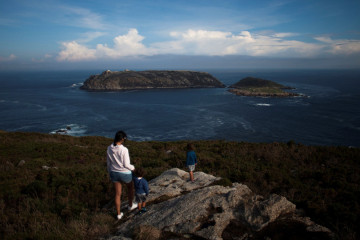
209,43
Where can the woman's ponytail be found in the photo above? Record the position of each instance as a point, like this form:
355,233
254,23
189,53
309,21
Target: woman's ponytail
120,135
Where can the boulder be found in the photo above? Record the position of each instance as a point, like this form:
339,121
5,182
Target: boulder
203,210
21,163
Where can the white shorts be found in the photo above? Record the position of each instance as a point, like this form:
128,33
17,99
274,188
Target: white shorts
191,168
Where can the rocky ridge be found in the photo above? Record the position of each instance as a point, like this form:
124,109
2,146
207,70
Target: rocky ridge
124,80
179,209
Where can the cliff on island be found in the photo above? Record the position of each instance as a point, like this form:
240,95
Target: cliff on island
124,80
258,87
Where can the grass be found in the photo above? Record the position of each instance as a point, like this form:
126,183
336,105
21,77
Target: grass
66,201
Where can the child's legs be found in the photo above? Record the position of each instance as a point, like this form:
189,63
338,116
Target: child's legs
191,176
191,171
140,198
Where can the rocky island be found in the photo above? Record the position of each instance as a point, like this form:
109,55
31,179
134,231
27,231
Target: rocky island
258,87
125,80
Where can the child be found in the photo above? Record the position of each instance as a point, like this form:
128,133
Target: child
141,189
191,160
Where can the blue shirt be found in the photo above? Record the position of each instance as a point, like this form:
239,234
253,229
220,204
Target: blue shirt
190,158
141,186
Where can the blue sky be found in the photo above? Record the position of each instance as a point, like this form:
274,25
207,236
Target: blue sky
58,34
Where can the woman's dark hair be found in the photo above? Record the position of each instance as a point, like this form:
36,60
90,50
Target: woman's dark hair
120,135
190,147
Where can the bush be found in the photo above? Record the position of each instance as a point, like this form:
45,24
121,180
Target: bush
36,189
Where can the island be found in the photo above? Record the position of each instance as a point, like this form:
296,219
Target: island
251,86
126,80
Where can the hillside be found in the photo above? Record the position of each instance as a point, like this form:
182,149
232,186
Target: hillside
122,80
251,86
57,187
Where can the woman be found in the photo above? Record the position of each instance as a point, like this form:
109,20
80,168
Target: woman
120,171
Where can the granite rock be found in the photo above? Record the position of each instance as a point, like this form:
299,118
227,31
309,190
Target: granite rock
205,210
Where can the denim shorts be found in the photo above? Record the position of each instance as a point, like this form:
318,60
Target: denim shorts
121,177
191,168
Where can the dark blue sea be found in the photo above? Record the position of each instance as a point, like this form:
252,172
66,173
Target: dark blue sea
327,114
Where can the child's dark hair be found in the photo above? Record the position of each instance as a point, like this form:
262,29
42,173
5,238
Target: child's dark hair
139,172
120,135
190,147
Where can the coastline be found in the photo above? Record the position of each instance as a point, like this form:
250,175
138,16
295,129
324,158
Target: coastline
250,93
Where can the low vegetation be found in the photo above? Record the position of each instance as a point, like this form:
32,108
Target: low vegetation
55,186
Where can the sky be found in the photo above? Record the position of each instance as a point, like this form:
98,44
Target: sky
179,34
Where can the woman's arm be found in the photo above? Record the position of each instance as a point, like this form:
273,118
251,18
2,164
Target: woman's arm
126,159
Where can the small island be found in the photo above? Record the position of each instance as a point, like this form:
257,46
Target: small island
258,87
126,80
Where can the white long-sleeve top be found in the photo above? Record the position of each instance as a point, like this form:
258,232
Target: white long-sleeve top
118,159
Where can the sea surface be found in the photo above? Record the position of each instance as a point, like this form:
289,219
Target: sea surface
327,114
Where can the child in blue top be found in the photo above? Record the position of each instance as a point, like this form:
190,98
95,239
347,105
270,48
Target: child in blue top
141,189
191,160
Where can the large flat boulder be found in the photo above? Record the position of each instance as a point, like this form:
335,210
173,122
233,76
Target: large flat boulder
204,210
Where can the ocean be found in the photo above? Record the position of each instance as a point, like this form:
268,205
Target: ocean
50,102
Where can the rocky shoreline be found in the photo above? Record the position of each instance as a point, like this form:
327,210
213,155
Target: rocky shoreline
130,80
248,93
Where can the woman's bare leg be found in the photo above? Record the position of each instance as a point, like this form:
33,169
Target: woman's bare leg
118,189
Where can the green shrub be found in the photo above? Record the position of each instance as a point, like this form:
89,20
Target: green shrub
36,189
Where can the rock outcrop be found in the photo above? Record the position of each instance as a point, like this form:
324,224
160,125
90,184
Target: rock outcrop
124,80
180,209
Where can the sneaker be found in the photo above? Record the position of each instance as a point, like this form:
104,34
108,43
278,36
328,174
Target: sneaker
134,205
120,216
143,210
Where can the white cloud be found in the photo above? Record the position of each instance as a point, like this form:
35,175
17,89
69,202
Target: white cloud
201,42
209,43
340,46
76,52
285,35
11,57
126,45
